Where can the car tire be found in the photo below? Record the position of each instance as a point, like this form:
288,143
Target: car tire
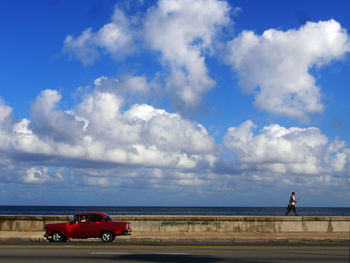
58,237
107,236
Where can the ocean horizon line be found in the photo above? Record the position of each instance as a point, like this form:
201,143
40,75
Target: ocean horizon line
180,206
170,210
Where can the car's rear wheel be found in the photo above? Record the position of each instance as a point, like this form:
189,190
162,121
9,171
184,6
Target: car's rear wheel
58,237
107,236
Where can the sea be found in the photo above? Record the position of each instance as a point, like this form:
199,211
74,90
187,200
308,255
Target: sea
173,210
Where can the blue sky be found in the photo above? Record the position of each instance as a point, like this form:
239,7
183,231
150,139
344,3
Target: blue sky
179,102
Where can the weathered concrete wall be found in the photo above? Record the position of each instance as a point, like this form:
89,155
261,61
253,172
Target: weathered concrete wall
262,224
28,222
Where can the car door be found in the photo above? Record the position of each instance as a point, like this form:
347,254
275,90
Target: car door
81,228
96,225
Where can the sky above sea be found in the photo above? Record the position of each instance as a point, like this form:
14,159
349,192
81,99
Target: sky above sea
175,102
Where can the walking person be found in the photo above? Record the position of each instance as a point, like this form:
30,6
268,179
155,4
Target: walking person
291,205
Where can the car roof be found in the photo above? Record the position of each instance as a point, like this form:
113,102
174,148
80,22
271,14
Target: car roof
92,213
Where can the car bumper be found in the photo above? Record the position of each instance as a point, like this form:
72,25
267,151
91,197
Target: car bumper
127,232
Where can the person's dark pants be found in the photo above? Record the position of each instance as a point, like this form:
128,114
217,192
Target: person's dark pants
291,207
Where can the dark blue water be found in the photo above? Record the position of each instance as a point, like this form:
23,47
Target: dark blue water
171,210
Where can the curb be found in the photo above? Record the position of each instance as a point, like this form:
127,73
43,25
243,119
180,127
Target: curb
193,239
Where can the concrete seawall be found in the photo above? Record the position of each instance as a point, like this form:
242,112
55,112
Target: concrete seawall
258,224
331,228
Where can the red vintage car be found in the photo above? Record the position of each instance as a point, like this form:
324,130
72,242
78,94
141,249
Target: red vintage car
86,225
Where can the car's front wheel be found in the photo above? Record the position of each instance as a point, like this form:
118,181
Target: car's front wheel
107,236
58,237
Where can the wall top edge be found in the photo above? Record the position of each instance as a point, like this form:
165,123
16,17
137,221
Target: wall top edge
186,218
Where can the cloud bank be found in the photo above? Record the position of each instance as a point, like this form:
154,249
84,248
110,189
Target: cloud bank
99,142
97,130
287,151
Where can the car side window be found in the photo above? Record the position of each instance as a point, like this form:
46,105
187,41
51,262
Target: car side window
89,218
82,219
96,218
108,218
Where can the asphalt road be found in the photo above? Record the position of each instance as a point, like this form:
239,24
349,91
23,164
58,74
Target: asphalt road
171,253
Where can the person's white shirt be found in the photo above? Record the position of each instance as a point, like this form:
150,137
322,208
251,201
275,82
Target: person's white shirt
293,202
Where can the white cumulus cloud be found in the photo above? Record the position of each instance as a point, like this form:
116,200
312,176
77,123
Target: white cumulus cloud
303,151
114,38
41,175
99,130
182,30
127,85
275,66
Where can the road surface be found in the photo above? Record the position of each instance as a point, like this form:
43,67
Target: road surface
84,252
